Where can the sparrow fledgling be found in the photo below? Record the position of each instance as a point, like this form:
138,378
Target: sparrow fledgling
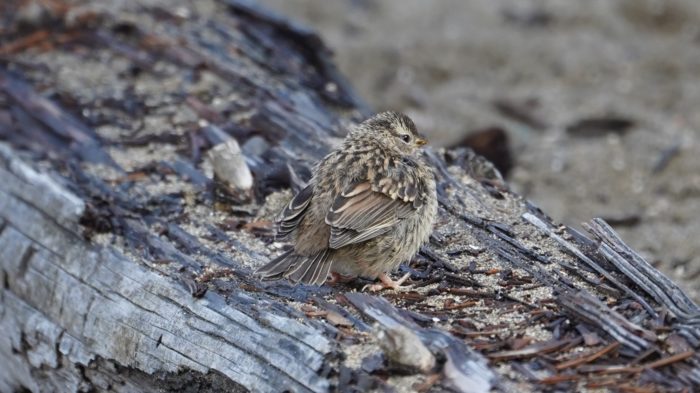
369,206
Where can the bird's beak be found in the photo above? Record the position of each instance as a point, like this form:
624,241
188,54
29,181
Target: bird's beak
421,141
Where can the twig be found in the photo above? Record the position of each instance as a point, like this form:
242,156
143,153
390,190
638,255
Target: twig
588,358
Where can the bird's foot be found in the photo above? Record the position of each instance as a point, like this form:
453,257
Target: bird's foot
387,282
337,278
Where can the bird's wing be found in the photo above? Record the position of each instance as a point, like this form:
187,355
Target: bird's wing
291,216
359,213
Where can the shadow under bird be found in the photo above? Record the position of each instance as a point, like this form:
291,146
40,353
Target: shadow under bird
369,206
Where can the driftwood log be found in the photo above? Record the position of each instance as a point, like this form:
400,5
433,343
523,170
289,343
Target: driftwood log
126,260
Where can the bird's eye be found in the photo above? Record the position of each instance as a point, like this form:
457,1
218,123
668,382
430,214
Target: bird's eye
406,138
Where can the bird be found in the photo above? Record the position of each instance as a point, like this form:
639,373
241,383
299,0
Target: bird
369,206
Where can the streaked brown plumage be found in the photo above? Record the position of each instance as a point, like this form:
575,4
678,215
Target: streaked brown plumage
369,206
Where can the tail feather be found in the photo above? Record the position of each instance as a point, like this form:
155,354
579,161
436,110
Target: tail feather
320,273
276,268
297,268
306,271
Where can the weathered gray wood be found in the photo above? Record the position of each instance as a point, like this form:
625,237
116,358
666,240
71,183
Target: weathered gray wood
64,298
531,218
465,370
654,283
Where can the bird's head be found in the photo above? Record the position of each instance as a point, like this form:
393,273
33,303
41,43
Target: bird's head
392,130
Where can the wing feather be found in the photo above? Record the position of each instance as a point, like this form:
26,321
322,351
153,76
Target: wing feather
359,214
294,212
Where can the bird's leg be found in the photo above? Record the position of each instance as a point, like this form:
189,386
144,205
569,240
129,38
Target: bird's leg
387,282
338,278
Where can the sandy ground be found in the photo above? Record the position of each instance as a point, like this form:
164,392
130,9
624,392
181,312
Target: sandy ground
629,62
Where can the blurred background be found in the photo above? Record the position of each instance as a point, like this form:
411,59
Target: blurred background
591,107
